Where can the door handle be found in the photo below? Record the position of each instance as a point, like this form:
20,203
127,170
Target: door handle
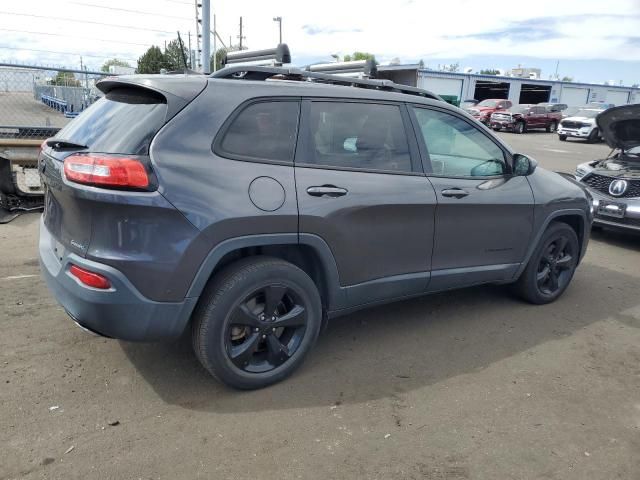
326,191
454,192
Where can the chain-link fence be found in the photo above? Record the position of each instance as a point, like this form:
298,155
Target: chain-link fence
35,102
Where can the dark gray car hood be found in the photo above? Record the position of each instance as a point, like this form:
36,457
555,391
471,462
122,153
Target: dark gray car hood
620,126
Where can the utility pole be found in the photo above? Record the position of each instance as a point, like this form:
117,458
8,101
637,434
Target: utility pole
279,20
198,37
206,36
190,57
240,37
215,44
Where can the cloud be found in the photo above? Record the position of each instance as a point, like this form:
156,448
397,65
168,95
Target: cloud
317,30
411,30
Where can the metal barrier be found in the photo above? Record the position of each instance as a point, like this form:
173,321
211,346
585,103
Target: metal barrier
36,101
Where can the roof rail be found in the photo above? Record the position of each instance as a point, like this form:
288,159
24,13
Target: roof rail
245,72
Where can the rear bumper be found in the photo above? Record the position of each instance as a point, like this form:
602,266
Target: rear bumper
121,311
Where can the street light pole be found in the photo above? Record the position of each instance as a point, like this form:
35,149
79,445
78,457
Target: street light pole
279,20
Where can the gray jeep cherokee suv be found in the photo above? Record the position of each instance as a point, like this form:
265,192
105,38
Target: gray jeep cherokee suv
252,205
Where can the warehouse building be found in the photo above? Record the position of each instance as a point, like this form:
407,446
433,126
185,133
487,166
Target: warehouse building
519,90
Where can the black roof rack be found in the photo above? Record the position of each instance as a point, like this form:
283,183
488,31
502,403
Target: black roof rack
245,72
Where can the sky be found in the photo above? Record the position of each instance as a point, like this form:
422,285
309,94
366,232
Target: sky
593,40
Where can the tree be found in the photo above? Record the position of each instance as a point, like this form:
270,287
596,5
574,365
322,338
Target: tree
567,79
220,54
66,79
151,61
453,67
489,71
173,55
360,56
115,62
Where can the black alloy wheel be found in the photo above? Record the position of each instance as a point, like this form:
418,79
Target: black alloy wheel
551,266
256,322
265,329
555,266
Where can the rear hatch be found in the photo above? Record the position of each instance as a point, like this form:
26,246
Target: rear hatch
120,124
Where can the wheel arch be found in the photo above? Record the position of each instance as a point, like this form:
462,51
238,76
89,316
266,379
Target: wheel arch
575,218
308,252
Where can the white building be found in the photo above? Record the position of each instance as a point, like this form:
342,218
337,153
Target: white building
519,90
20,79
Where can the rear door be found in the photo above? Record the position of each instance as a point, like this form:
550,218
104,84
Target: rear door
361,189
484,215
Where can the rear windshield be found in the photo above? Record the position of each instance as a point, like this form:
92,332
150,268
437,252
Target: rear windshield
123,121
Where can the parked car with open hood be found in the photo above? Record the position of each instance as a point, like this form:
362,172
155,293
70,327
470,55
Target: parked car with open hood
581,125
614,182
524,117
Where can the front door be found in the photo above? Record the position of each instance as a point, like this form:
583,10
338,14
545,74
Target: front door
485,214
361,189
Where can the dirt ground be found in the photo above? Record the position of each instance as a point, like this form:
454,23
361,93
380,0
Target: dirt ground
472,384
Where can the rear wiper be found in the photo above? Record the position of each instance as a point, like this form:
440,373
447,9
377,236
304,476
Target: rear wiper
61,144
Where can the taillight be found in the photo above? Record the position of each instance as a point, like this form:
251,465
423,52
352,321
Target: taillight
106,171
89,278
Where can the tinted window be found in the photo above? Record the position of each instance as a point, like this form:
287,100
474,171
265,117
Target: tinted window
457,148
264,130
358,135
539,110
123,121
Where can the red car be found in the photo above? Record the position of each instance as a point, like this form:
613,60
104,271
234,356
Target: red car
483,110
521,118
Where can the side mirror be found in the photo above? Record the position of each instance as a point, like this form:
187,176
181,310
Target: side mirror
523,165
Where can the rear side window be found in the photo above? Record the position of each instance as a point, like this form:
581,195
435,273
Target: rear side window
125,120
263,130
358,135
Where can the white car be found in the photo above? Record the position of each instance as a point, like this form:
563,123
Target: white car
580,125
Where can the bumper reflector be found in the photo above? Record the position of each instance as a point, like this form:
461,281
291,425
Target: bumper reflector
91,279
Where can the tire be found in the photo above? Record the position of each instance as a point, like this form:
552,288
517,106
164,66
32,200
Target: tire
557,251
497,129
234,340
593,136
562,138
519,128
551,128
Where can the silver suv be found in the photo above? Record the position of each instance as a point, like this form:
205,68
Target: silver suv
614,182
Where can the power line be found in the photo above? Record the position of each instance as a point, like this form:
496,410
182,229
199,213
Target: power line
74,36
6,47
130,10
48,17
178,1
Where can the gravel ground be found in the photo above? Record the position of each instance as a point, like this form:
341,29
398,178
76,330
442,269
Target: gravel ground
472,384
